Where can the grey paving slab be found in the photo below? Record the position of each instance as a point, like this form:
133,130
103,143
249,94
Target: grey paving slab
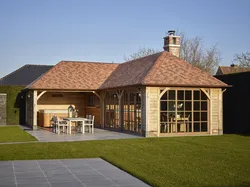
100,134
67,172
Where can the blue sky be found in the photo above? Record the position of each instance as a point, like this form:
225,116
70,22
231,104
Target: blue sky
47,31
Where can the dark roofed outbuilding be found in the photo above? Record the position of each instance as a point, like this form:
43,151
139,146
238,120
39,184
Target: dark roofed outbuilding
24,75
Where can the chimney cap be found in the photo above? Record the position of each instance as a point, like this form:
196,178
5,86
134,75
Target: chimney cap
234,65
171,32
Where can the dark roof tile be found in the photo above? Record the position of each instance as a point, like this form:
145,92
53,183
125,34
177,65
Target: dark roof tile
24,75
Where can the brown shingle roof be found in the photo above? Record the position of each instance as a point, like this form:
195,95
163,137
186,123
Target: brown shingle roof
161,69
130,73
170,70
223,70
75,76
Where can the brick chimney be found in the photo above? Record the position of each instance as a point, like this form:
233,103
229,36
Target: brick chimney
234,65
172,43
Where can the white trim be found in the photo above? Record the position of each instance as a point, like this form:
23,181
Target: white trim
3,94
172,45
172,36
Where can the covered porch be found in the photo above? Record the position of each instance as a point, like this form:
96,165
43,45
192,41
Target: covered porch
42,105
116,110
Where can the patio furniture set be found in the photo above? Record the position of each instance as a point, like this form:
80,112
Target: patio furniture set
64,125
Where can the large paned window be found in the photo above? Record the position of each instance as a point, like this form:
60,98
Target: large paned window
132,111
111,110
183,111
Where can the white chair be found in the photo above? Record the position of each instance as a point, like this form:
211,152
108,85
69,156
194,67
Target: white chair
60,125
90,124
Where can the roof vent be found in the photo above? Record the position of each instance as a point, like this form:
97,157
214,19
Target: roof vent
171,32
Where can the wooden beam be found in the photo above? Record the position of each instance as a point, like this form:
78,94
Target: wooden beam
163,92
41,94
94,92
34,125
208,96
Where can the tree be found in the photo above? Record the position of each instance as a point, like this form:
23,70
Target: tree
142,52
242,59
192,50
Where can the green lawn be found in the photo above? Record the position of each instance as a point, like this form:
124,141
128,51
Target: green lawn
14,134
211,161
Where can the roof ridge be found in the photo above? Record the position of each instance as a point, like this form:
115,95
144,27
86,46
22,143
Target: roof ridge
37,65
150,69
75,61
141,57
158,60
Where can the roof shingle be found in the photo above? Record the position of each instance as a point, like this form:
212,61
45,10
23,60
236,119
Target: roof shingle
24,75
160,69
223,70
170,70
71,75
130,73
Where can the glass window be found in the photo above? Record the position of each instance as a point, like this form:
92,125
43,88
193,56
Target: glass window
196,105
171,94
196,95
184,111
196,127
203,96
204,127
112,111
164,105
188,105
204,105
188,95
132,111
180,94
164,97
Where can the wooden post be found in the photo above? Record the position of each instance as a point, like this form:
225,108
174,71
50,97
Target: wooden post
102,105
119,94
26,108
34,110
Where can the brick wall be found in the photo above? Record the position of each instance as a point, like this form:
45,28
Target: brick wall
3,114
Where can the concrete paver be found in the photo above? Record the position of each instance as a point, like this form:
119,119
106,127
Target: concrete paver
66,172
99,134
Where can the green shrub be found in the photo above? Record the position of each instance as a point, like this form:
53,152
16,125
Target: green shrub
13,110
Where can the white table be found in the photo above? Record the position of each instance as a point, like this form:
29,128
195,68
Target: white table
76,120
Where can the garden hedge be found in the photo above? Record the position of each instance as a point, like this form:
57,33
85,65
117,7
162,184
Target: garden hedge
13,110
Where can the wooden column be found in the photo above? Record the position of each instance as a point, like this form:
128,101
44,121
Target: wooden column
102,105
119,94
34,125
26,107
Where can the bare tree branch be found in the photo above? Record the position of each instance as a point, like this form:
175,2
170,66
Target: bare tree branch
142,52
193,51
242,59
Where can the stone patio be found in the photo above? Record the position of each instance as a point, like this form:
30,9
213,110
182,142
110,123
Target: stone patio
99,134
65,173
